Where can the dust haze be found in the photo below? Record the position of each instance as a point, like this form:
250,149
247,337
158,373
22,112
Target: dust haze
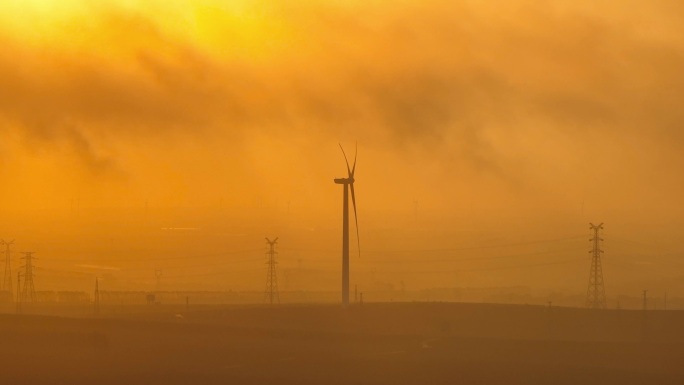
479,127
148,148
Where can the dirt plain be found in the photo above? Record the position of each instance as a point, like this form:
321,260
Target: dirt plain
381,343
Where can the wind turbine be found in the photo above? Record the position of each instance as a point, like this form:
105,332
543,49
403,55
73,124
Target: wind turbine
348,184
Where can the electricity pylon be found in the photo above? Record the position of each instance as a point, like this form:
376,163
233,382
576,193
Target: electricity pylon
28,293
596,292
271,294
18,292
158,275
96,303
7,280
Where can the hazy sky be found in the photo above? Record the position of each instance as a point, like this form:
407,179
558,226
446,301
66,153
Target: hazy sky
479,124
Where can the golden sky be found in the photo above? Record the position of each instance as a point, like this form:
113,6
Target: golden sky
479,124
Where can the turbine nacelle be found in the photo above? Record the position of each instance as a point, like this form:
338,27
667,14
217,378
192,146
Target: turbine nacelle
344,180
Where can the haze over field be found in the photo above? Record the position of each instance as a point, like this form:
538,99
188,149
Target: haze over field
175,135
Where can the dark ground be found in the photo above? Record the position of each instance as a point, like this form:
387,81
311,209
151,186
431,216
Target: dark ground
399,343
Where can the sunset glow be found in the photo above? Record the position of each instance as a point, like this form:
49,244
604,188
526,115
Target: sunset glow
479,125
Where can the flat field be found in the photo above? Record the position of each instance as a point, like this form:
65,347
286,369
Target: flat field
382,343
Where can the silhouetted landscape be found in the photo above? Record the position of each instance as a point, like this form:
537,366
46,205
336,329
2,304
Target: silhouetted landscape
341,192
403,343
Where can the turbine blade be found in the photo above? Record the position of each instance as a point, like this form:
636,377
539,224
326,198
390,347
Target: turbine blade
356,152
345,159
356,219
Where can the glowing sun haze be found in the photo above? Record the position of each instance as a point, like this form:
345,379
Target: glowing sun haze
227,115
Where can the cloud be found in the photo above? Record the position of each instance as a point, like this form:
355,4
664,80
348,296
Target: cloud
465,112
481,89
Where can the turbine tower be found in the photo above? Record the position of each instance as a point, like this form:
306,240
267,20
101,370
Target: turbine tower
348,184
596,292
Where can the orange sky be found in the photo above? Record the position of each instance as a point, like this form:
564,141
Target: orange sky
477,126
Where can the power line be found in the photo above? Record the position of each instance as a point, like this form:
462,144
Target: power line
86,271
465,248
459,259
510,267
189,258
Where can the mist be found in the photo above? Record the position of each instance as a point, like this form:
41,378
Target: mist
515,212
488,136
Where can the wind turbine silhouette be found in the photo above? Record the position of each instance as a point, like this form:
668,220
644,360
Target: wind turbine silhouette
348,184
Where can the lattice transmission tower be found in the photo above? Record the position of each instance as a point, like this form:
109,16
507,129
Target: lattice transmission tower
96,299
18,292
7,279
158,275
596,292
28,292
271,294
